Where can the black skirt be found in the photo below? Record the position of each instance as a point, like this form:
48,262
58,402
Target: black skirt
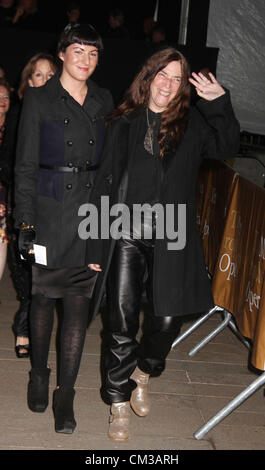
57,283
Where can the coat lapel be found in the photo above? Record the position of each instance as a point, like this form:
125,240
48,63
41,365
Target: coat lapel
128,140
91,105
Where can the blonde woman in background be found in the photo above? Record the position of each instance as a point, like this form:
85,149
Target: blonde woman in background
40,68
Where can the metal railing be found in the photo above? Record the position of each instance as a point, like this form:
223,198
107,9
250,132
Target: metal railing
247,392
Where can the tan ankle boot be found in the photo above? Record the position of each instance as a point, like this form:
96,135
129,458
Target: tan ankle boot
119,421
140,402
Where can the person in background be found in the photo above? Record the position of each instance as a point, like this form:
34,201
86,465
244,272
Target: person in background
27,15
73,13
60,138
158,34
155,143
12,89
2,72
4,173
147,28
69,16
39,68
7,12
116,28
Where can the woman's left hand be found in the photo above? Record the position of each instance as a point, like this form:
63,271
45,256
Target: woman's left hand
208,89
95,267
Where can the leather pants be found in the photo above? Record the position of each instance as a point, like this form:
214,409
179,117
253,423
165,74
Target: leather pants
130,273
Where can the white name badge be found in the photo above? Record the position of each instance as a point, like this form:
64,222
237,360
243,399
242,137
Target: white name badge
40,254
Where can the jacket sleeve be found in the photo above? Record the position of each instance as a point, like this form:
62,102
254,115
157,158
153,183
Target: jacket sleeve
27,161
221,128
95,247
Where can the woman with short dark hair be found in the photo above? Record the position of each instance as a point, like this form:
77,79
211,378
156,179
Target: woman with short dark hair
59,144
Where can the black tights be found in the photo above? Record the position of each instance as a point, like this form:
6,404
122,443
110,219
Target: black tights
72,337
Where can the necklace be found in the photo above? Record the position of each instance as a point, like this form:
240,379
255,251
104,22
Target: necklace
149,136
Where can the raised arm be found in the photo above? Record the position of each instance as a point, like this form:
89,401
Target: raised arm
220,129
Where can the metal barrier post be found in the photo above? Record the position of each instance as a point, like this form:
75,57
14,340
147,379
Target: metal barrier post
236,331
214,333
252,388
195,325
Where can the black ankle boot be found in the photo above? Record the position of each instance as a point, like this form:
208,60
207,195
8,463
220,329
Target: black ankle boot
38,389
63,399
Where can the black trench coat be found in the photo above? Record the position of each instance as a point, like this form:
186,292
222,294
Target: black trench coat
55,130
180,282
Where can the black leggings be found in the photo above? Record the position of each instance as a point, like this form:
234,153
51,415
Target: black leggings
72,335
131,264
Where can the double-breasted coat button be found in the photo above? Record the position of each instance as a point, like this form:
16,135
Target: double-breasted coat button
91,142
109,179
88,185
70,164
63,98
66,120
69,186
88,163
69,143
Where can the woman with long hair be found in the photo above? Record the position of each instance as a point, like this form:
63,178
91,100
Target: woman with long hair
154,146
39,68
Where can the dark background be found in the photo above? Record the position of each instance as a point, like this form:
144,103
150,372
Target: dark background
121,58
135,11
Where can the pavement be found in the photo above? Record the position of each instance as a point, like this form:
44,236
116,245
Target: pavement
184,397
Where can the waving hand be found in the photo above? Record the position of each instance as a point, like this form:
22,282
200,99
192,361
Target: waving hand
209,89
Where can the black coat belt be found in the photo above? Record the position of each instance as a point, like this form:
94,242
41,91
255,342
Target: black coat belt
68,169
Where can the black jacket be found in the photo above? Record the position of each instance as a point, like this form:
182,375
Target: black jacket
180,282
55,130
